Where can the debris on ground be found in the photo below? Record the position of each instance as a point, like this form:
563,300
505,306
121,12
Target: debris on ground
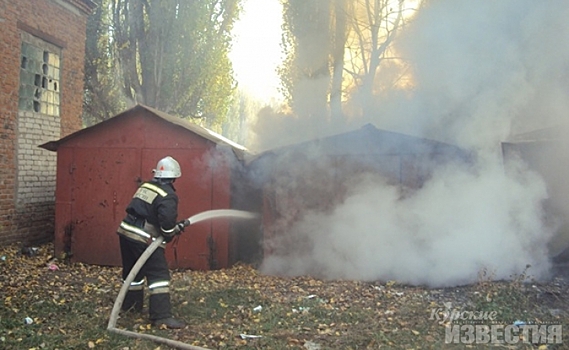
67,305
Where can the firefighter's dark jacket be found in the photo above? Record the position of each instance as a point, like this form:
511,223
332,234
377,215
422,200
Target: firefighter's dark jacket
152,211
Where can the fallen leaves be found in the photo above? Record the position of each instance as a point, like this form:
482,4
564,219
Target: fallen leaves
69,307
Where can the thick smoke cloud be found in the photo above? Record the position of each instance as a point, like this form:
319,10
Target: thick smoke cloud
486,69
482,71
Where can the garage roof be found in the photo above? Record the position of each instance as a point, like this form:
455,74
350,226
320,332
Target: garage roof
199,130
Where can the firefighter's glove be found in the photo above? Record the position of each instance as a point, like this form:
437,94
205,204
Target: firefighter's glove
168,236
179,228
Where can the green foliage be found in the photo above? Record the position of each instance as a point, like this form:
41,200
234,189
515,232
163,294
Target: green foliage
509,299
102,97
287,72
168,54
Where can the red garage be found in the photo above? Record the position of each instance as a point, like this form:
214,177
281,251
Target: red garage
100,167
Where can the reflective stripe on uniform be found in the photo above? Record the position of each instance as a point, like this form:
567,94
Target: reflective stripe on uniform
136,234
159,287
136,230
148,192
146,195
136,285
155,189
133,233
169,232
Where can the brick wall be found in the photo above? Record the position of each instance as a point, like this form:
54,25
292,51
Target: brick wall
27,173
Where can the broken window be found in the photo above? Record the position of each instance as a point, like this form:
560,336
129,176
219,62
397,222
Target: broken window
39,76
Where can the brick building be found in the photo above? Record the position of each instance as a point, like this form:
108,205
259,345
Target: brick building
42,49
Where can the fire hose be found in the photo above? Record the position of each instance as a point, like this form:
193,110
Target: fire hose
111,327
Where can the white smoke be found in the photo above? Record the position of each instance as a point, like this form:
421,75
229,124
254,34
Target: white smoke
482,70
458,225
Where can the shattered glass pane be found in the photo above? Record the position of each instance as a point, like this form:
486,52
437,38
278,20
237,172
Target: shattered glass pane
39,78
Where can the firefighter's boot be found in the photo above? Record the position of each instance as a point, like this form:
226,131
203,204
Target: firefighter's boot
160,311
169,322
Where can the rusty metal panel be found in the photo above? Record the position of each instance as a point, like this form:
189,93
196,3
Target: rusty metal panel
63,228
159,134
218,241
123,132
99,172
63,218
104,180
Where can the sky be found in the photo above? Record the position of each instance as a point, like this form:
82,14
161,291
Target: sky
256,51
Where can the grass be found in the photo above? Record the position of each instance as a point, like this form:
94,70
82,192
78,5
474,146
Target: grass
70,307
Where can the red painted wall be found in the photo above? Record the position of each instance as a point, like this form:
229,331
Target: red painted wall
99,170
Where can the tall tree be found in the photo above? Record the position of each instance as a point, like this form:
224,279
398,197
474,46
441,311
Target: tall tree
373,28
347,42
171,54
340,17
306,71
103,96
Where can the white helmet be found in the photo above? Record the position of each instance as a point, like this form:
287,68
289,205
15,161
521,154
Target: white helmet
167,168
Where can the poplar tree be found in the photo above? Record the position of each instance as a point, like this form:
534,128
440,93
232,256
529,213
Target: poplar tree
170,54
336,48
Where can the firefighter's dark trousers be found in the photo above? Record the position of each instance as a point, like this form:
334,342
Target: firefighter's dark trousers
157,275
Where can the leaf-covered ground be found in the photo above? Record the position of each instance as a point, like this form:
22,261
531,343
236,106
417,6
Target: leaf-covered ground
51,304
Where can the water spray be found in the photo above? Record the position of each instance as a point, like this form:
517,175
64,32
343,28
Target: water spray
218,213
206,215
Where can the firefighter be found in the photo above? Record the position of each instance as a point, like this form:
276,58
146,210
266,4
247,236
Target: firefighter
152,211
